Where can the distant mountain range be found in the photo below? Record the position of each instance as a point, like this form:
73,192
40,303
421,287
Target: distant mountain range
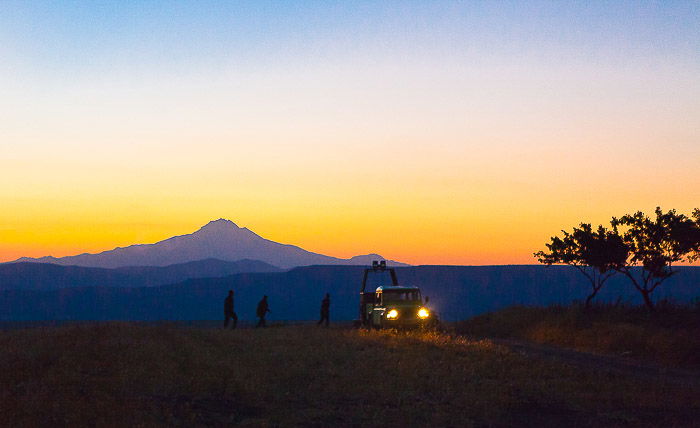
456,292
45,276
220,239
186,278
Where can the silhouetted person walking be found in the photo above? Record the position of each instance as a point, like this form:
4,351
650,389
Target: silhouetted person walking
262,310
325,310
228,310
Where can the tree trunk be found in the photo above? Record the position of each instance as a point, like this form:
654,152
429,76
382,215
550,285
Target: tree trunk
588,300
647,299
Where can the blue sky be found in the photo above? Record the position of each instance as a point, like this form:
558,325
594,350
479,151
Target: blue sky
85,37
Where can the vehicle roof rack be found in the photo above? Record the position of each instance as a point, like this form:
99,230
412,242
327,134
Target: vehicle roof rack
379,266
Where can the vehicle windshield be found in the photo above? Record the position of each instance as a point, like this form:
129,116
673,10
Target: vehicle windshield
399,296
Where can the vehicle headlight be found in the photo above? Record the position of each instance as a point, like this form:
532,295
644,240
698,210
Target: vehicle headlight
392,314
423,313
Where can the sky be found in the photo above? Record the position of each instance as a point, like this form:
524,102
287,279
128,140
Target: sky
429,132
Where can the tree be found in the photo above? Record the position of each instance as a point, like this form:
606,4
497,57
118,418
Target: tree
596,254
655,244
696,216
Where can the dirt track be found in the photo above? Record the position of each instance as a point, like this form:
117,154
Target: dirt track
603,362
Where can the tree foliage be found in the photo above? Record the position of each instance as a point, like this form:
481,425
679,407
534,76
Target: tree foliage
655,245
598,254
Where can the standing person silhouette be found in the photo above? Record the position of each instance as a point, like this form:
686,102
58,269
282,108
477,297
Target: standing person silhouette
325,310
228,310
262,310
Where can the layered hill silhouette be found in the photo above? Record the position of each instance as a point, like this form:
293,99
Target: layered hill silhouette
46,276
456,292
220,239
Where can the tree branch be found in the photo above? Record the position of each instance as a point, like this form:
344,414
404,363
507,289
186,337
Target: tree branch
626,271
583,271
606,277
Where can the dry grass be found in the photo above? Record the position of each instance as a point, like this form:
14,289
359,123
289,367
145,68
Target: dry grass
670,336
121,374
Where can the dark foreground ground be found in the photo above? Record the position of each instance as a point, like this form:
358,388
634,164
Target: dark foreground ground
127,374
669,336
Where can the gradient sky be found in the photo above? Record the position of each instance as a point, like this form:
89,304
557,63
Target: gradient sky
429,132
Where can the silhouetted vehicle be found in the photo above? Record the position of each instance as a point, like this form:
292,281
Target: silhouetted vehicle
392,305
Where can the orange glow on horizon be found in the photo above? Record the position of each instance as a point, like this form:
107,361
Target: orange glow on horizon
413,242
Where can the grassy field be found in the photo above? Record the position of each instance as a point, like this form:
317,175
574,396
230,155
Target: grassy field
119,374
670,336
